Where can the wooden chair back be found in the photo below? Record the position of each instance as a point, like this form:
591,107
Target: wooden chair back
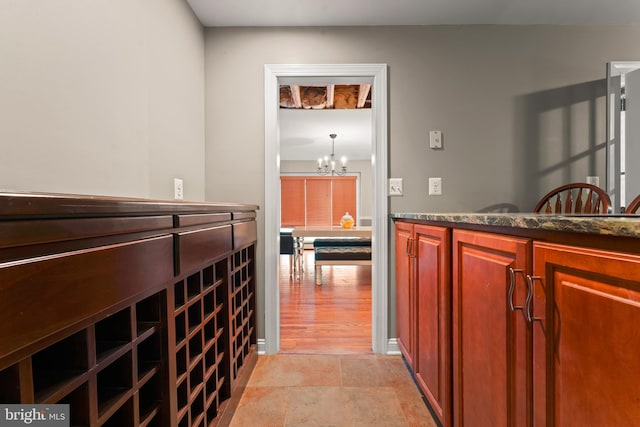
632,207
575,198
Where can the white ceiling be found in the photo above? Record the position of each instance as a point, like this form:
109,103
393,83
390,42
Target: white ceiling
304,134
268,13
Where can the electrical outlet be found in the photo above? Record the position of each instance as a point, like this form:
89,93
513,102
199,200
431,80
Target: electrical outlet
178,189
594,180
395,186
435,139
435,186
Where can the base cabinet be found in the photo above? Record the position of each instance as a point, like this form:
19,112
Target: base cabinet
405,291
586,337
490,340
543,333
424,310
432,365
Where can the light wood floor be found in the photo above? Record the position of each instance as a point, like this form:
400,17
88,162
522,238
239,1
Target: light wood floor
334,318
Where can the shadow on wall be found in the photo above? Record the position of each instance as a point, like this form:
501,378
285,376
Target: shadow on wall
500,208
559,139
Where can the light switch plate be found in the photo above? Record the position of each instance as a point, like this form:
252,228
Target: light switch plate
395,186
435,139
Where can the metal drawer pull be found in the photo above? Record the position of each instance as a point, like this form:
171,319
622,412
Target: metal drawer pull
527,311
512,285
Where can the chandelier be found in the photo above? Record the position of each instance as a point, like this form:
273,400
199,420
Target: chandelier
328,164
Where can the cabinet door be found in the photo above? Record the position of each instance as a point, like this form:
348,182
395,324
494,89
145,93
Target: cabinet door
405,299
586,336
489,340
433,317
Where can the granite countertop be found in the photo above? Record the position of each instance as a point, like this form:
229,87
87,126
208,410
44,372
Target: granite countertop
612,225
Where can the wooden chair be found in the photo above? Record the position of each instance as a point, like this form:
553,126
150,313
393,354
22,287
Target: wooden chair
576,198
633,206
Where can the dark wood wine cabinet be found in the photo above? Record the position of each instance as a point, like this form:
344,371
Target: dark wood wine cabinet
134,312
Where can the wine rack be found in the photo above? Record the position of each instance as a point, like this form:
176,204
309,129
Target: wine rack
115,362
242,306
201,315
133,312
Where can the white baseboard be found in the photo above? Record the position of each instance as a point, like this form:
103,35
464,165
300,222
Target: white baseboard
262,346
393,349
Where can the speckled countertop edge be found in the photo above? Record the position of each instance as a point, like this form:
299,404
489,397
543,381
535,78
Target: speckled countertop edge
612,225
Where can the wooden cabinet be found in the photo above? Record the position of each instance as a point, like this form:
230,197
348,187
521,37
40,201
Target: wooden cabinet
433,317
109,372
586,337
490,358
133,312
544,333
200,340
405,290
424,310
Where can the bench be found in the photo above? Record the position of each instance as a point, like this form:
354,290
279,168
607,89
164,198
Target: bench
340,251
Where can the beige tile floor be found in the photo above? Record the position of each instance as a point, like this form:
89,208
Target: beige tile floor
331,390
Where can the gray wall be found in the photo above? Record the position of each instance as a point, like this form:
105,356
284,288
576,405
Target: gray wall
109,97
101,97
521,107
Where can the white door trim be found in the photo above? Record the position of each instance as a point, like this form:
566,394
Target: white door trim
380,221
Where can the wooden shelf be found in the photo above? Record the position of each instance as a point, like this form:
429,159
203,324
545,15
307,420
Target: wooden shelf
146,418
106,358
66,382
10,378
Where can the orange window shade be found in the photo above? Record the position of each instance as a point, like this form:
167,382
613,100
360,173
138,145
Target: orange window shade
318,201
292,207
343,198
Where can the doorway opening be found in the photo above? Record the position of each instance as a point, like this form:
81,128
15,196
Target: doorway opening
276,75
325,174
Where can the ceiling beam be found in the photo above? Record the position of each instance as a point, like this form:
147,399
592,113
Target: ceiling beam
363,93
295,96
330,91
